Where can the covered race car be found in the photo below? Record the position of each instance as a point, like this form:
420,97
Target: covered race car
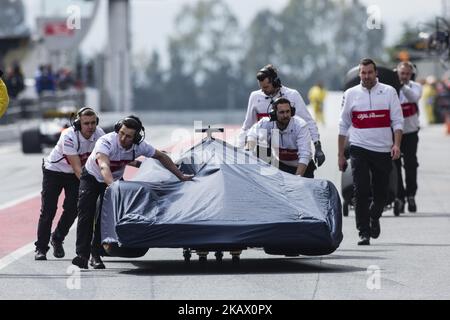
236,201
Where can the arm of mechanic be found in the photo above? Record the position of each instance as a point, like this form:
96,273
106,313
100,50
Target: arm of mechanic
105,170
169,165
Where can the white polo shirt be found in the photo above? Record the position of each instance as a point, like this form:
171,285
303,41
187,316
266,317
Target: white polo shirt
118,156
71,143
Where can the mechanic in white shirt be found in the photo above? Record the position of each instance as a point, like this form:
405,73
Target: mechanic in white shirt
292,149
410,94
62,170
105,165
260,103
372,110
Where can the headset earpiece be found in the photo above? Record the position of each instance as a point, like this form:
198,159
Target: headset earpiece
272,75
138,137
273,112
273,115
77,122
276,82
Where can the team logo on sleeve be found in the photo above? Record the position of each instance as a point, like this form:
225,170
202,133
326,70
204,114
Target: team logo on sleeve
106,144
68,142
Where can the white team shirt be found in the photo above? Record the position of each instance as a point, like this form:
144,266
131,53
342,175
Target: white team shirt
118,156
71,143
294,142
371,115
410,95
259,106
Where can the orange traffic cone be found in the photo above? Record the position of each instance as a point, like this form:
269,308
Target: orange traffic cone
447,121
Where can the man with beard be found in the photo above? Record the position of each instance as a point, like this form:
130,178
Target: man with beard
286,137
371,110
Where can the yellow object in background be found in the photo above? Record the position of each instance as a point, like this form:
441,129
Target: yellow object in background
4,98
316,96
429,96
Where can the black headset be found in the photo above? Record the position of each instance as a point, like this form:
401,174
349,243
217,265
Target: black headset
273,112
138,136
269,72
76,124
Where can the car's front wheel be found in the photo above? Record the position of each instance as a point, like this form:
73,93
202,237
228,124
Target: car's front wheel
31,141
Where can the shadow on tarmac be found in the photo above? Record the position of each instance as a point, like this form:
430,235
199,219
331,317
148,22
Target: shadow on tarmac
413,245
420,215
245,266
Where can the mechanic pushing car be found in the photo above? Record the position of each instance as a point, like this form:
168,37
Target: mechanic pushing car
370,109
259,105
4,98
105,165
293,153
62,170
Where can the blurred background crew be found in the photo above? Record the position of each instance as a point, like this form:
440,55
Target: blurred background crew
14,81
429,98
410,94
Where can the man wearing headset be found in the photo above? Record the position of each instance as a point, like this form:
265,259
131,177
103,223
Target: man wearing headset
290,134
410,94
260,103
62,170
105,165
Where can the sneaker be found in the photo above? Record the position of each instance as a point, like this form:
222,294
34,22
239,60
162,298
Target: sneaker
364,241
412,204
80,262
40,255
97,263
58,249
375,228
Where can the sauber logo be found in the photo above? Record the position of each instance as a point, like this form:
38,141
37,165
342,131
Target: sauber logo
363,116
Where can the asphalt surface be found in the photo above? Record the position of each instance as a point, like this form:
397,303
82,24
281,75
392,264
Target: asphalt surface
409,261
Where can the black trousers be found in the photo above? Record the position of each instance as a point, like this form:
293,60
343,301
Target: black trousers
379,165
88,227
52,185
309,173
410,164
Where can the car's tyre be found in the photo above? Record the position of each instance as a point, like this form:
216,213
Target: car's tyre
31,141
